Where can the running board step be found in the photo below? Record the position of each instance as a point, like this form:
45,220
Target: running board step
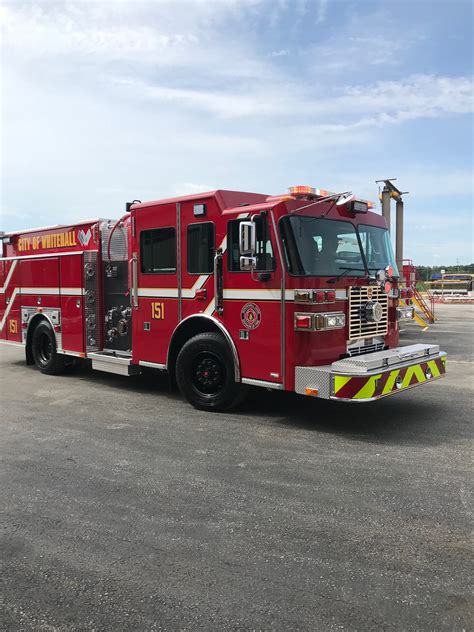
113,364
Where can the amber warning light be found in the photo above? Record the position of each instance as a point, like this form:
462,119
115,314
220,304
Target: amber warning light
302,190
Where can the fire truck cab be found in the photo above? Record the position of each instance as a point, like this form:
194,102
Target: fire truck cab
224,289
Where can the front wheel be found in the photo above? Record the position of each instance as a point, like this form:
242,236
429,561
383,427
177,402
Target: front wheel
205,373
44,350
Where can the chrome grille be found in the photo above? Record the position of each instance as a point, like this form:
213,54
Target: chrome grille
359,326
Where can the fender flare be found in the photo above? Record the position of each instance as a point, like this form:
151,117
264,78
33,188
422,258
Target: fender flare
36,318
221,328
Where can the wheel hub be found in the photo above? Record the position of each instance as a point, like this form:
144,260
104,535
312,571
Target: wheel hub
208,374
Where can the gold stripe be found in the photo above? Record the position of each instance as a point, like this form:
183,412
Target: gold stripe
368,389
339,382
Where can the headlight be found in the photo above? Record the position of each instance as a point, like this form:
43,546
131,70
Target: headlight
334,321
405,313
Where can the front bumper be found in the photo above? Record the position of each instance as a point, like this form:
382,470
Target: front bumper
372,376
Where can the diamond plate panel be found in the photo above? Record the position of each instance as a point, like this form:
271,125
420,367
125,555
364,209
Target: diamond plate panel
315,377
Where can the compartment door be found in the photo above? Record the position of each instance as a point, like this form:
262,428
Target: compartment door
72,308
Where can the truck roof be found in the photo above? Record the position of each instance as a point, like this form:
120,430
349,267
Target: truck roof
225,198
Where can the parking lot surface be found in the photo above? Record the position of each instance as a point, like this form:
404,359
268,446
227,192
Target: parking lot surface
123,508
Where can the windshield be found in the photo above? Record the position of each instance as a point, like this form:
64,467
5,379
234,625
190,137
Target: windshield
321,247
324,247
377,248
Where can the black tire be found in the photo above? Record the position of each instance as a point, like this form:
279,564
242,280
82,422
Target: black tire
205,373
44,350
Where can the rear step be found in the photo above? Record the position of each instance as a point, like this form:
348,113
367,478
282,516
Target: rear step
111,363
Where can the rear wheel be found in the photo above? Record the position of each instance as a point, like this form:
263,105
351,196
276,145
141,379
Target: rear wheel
44,350
205,373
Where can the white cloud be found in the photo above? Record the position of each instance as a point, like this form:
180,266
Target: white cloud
321,11
386,102
279,53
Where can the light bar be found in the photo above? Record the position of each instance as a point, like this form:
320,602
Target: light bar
302,189
324,193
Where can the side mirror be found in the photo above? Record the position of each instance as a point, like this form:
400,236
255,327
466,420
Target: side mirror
247,239
247,245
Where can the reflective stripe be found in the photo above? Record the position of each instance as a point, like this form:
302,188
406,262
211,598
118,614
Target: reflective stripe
158,292
251,294
8,308
434,368
419,373
358,387
9,276
64,291
391,382
71,291
368,389
39,290
340,381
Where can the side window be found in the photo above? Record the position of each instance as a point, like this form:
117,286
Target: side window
158,251
264,250
200,240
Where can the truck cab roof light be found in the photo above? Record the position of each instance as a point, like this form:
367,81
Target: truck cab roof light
302,189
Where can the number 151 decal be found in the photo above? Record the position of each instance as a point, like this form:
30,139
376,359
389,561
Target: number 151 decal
157,311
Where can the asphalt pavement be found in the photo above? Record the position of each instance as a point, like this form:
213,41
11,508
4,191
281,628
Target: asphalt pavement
123,508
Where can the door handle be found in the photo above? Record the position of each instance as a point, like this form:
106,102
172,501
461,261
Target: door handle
133,276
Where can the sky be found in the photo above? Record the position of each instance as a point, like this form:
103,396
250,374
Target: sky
105,102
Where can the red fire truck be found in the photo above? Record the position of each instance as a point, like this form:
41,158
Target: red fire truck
224,289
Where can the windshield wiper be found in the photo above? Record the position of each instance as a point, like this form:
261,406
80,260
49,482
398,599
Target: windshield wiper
344,270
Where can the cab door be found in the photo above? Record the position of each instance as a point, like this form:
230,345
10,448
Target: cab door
156,310
253,303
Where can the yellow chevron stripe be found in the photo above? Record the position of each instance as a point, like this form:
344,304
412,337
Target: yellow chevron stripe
339,382
390,382
368,389
434,368
420,375
407,377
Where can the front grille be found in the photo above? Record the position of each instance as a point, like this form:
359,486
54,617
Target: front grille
359,326
360,350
